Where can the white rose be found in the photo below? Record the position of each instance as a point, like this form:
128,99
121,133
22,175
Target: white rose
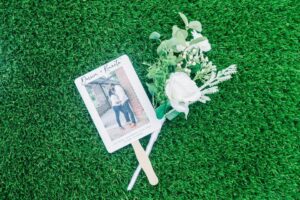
204,45
181,90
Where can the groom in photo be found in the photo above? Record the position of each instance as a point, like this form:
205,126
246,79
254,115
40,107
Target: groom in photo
119,91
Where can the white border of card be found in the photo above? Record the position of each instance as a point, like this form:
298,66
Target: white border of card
136,134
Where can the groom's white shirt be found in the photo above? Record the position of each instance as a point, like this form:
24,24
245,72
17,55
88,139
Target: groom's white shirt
121,93
115,101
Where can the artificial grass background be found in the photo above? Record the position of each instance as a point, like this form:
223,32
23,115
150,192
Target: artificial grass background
243,144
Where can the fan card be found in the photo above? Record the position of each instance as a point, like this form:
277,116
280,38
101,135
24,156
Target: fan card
117,103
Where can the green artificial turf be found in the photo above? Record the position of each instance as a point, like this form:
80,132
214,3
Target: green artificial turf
244,144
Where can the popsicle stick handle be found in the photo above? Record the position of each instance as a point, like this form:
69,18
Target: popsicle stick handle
144,162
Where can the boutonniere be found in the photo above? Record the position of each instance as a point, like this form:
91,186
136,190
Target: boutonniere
182,74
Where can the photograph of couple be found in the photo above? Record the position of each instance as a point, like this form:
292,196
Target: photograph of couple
117,104
120,104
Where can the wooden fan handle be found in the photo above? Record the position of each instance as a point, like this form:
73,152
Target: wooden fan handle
144,162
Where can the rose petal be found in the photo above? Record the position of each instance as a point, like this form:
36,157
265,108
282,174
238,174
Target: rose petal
194,97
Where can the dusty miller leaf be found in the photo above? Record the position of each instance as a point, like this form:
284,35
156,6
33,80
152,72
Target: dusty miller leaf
162,48
178,33
184,19
197,40
195,25
154,36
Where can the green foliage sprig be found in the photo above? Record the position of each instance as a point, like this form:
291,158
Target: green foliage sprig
184,52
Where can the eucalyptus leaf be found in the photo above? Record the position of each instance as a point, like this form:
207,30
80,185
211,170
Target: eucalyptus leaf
174,30
166,45
184,19
162,48
154,36
195,25
178,41
171,44
178,33
197,40
182,34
